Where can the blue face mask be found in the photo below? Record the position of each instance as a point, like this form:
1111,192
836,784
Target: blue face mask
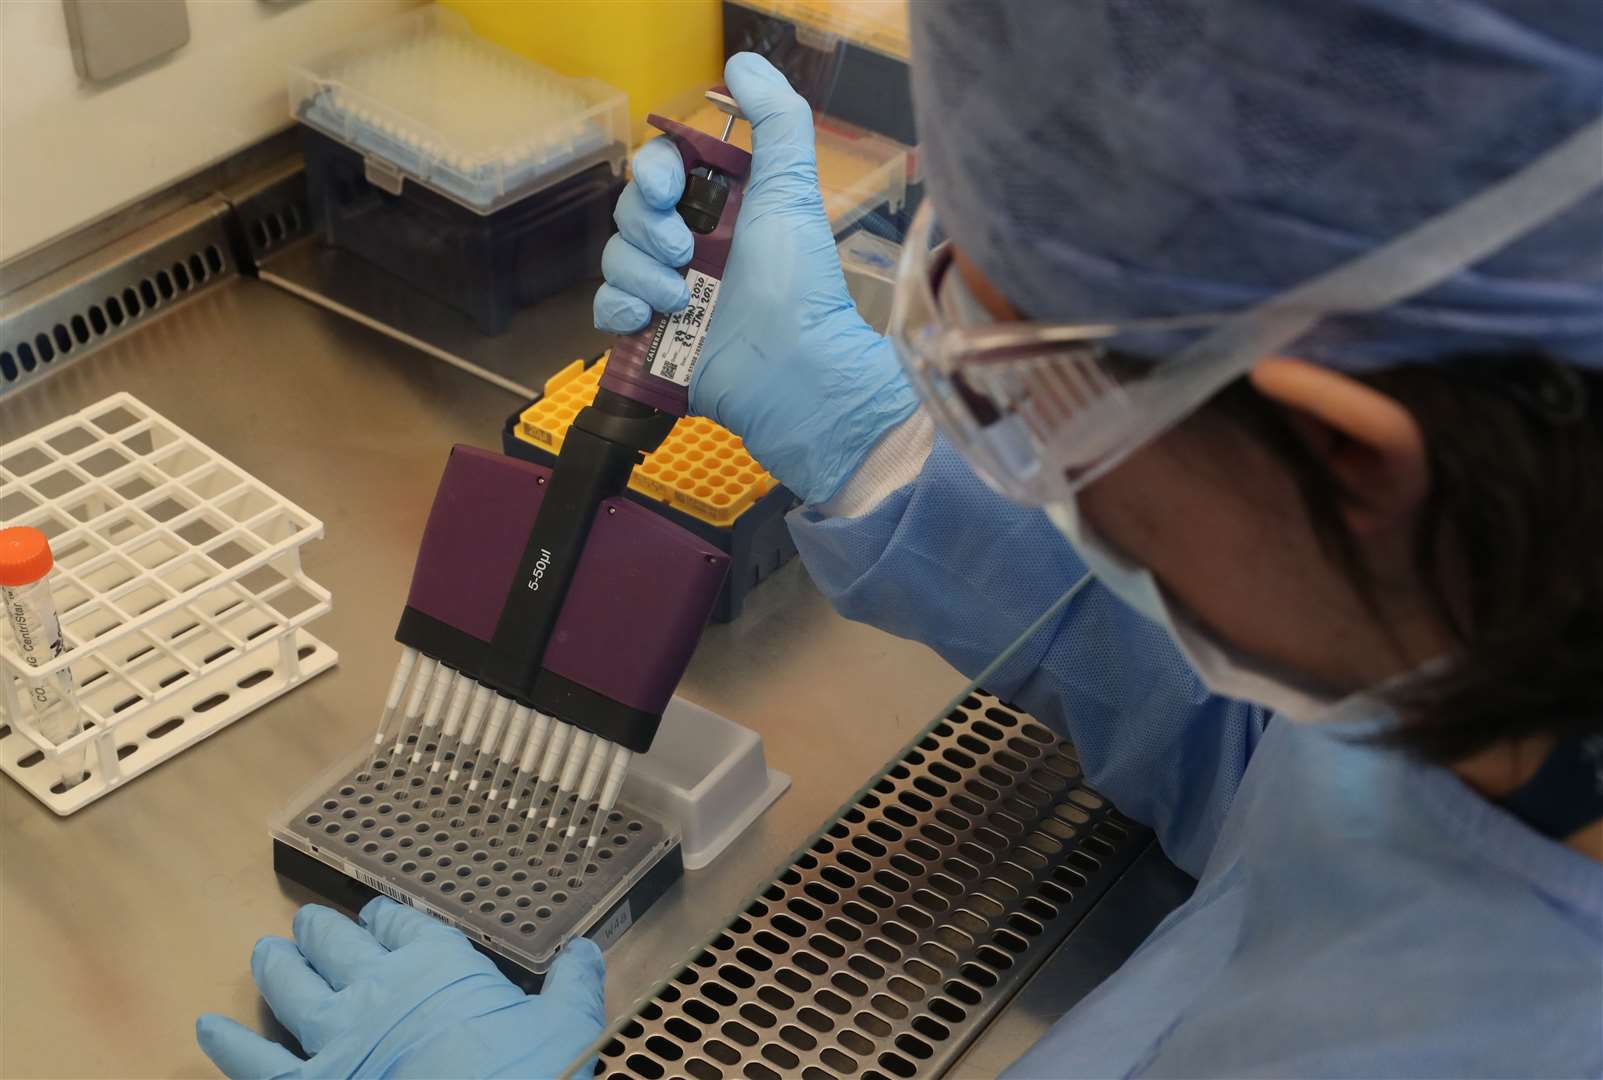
1222,669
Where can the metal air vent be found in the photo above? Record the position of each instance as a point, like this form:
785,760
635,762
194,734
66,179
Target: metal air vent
886,947
75,310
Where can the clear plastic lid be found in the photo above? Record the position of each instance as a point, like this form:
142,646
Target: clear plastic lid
878,24
858,171
474,122
869,263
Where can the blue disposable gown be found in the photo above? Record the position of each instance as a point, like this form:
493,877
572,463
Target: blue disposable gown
1357,913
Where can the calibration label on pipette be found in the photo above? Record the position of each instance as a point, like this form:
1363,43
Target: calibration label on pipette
676,346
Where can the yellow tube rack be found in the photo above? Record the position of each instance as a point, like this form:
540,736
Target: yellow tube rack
700,469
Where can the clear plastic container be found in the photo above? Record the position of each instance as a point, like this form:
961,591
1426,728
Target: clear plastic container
424,99
479,177
708,776
869,263
878,24
848,58
858,172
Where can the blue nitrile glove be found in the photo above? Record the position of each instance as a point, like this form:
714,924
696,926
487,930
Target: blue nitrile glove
403,995
788,365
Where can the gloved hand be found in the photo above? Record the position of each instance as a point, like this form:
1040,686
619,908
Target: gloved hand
788,363
403,995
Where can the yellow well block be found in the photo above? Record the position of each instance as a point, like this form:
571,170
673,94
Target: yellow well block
700,468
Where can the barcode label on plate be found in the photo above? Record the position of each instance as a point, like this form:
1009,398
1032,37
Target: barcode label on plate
380,884
611,930
677,344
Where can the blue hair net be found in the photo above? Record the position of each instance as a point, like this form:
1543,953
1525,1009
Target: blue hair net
1133,158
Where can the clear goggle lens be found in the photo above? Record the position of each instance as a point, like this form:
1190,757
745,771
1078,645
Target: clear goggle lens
1041,409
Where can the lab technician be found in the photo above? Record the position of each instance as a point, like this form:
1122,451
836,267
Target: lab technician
1290,318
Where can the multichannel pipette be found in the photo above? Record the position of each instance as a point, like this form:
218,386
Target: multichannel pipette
550,617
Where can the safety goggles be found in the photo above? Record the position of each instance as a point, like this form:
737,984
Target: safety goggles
1042,409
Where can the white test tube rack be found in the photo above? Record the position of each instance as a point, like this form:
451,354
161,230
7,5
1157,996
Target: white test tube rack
179,585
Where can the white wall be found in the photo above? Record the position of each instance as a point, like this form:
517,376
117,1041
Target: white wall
72,151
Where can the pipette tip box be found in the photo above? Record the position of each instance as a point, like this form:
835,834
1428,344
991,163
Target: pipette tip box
466,170
701,479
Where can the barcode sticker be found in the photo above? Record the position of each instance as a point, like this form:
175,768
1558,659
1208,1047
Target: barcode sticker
380,884
677,344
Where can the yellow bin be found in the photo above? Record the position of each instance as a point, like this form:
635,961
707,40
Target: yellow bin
653,50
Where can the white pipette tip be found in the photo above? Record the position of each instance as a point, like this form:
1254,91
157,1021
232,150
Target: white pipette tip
414,705
616,772
392,700
444,680
594,767
539,730
578,752
462,693
470,731
511,742
492,735
617,769
560,734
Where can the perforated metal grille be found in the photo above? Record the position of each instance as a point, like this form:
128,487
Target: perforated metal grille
885,948
100,298
468,861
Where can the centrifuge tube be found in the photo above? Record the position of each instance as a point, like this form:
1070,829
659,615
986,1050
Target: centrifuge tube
25,562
